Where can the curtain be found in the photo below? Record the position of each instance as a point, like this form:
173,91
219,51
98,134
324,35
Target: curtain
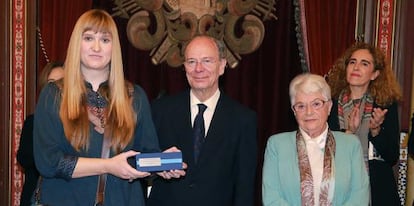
55,23
329,28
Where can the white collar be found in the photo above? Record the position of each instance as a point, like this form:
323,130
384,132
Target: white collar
320,140
210,102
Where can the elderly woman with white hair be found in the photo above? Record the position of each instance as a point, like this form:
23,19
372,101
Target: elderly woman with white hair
313,165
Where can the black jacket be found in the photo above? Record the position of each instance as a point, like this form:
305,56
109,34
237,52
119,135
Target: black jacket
26,160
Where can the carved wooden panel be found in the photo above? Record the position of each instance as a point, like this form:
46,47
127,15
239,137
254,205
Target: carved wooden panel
165,26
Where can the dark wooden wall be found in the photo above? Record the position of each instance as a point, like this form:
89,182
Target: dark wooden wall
4,104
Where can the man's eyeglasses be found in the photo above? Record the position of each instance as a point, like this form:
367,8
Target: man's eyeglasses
315,105
206,62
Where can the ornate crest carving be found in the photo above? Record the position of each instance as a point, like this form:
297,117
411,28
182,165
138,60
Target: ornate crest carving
165,26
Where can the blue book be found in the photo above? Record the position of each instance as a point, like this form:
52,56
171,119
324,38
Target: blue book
154,162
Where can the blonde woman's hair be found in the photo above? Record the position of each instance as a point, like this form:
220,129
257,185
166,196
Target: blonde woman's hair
120,115
385,88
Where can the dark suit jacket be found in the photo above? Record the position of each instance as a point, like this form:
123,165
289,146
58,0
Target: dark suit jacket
226,169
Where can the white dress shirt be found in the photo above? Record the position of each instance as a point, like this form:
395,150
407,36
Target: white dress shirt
211,104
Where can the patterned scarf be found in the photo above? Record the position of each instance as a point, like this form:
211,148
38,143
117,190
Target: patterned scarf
328,176
365,104
97,105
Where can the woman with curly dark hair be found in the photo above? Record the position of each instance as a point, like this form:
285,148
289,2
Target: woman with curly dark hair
366,95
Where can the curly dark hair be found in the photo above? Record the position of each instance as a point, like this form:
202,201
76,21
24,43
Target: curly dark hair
385,88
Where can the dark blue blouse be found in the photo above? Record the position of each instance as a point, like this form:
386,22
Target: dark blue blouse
56,159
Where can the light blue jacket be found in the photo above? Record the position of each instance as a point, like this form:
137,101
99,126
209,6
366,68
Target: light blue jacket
281,177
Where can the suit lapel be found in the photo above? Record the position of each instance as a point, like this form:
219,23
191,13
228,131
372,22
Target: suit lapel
184,130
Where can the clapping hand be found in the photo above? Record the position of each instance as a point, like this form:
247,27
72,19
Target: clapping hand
354,120
377,118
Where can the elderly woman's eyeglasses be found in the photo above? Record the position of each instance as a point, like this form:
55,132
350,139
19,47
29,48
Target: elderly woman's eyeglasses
206,62
315,105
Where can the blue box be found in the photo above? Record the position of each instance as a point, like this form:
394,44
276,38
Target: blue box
154,162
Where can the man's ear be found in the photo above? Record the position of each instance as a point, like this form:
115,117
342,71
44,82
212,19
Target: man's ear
223,64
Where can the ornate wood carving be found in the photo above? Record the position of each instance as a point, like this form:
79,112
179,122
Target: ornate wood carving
164,26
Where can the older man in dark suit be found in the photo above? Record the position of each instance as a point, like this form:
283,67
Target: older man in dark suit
222,167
